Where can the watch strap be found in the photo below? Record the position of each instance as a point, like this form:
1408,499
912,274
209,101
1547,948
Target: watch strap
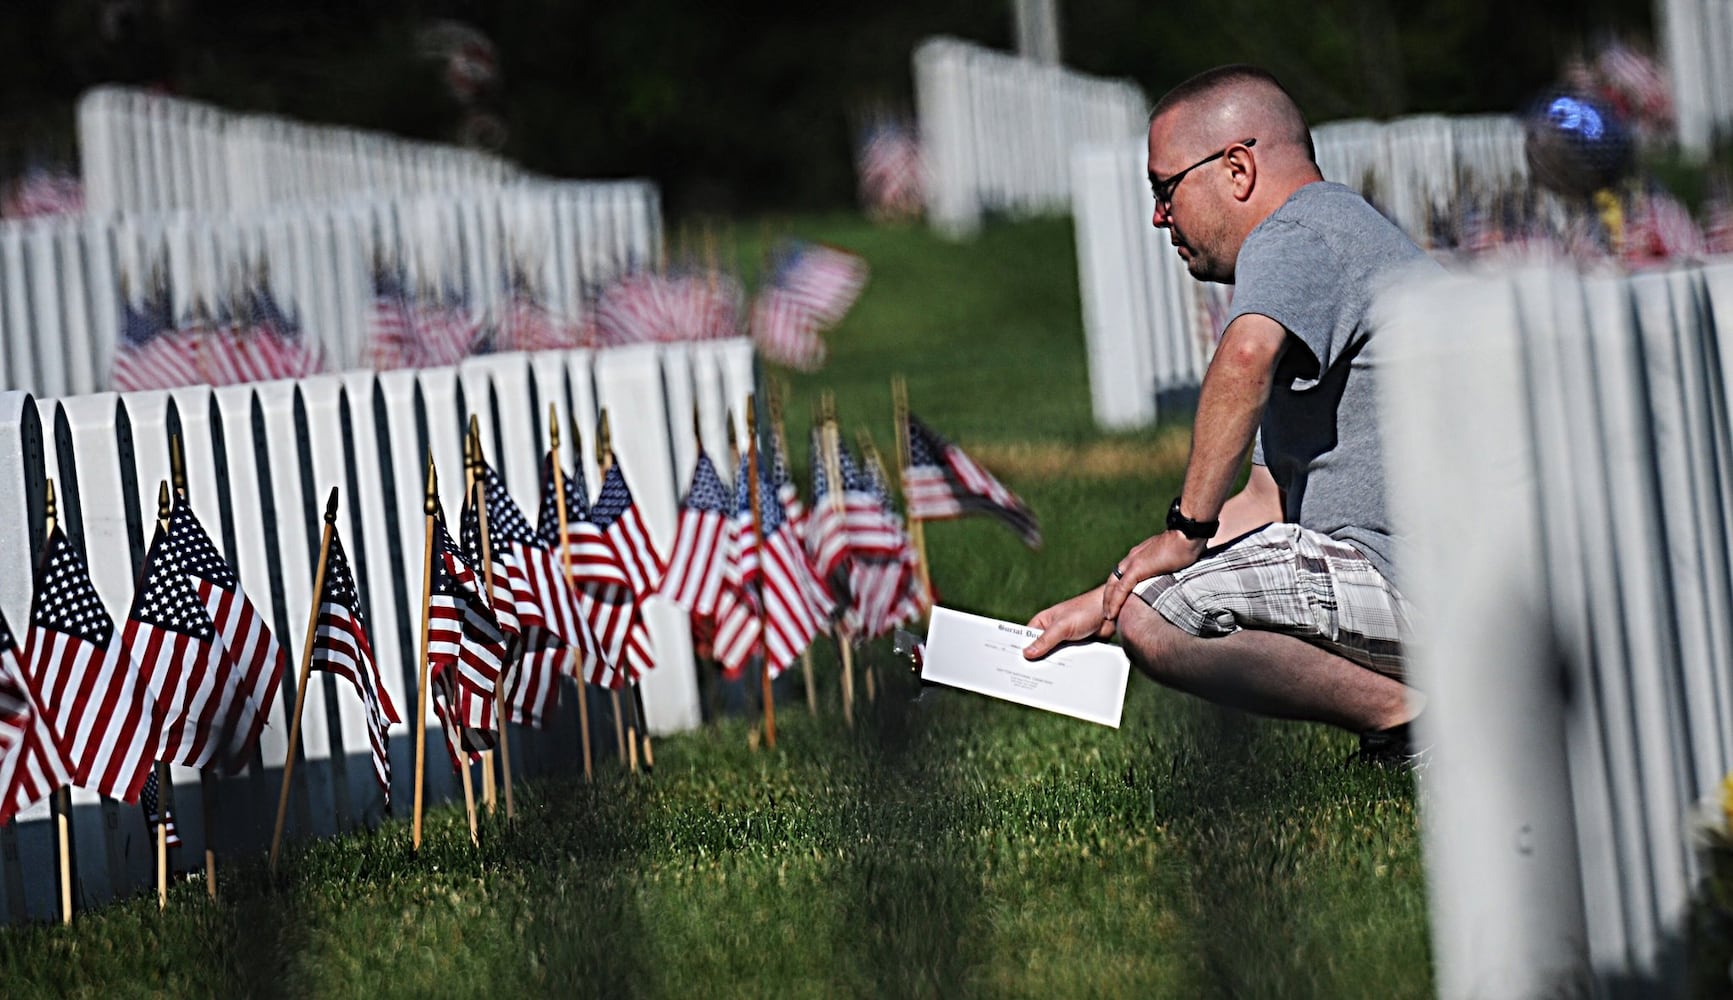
1194,530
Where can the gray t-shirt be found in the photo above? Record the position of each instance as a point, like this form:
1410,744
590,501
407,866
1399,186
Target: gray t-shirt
1315,266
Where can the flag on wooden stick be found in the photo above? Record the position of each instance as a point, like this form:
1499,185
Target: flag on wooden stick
105,715
254,661
341,647
465,647
694,576
31,764
941,481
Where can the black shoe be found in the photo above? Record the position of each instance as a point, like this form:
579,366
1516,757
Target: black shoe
1392,748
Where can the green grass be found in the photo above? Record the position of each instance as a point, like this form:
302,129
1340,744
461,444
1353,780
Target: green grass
946,846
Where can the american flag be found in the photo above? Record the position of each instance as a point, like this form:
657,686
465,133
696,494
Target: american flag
391,331
525,324
1659,228
703,305
465,648
694,576
885,586
772,581
854,524
942,482
42,193
858,547
31,763
254,660
341,646
179,657
104,713
785,331
1718,221
823,280
614,608
492,572
446,330
624,530
603,595
888,162
151,353
548,612
254,342
787,494
150,800
633,309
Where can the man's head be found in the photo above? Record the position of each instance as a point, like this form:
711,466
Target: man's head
1226,148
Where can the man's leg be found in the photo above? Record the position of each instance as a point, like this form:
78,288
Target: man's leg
1264,672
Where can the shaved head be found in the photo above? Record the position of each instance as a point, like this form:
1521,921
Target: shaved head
1232,102
1241,146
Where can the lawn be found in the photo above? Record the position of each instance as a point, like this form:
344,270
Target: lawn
945,846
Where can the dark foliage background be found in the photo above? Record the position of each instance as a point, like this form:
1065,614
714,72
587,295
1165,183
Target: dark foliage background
746,106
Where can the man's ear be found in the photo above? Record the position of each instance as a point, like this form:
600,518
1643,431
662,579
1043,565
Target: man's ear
1243,172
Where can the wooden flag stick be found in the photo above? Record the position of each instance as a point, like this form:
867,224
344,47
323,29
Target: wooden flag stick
306,673
566,567
469,796
431,507
63,795
162,774
830,445
503,684
627,729
758,541
917,530
207,781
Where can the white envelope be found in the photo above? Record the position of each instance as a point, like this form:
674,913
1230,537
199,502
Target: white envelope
984,655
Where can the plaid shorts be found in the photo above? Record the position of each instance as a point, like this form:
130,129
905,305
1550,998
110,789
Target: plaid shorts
1285,578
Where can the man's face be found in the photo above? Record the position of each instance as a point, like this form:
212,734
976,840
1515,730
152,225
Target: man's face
1196,216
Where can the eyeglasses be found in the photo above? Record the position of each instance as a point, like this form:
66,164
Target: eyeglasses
1163,190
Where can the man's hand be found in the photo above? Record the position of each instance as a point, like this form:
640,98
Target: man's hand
1167,552
1068,621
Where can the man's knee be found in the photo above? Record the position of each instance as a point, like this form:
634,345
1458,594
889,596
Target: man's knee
1152,642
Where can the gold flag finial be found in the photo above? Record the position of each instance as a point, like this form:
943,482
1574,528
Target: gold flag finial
163,505
554,430
177,463
331,507
604,440
432,500
48,503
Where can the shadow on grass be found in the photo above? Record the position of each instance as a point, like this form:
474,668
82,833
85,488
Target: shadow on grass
1291,855
912,893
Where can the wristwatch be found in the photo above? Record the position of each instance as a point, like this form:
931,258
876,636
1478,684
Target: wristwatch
1194,530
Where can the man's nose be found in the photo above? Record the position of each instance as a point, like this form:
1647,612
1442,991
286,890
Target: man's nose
1160,219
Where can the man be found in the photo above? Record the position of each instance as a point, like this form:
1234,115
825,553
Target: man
1279,600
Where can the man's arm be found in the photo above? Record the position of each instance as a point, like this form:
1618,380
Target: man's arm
1235,389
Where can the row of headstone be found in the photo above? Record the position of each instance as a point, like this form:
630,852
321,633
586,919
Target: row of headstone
146,152
260,462
1421,165
63,281
1697,39
1151,328
1560,453
997,130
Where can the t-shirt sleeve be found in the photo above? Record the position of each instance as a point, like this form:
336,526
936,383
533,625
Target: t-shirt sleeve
1287,272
